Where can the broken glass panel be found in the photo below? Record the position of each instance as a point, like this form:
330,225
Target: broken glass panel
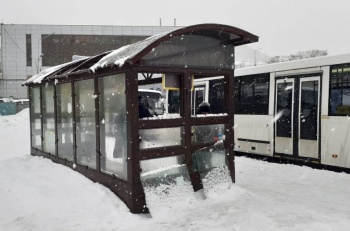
165,181
211,163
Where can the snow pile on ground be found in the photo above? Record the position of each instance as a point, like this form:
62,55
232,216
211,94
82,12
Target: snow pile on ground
14,135
37,194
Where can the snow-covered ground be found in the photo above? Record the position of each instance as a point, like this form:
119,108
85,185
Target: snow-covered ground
36,194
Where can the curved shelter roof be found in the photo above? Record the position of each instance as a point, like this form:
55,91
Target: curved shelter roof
208,46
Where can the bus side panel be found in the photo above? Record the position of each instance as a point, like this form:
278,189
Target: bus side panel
254,134
335,131
335,140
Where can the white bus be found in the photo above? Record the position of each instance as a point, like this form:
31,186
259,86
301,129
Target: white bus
293,110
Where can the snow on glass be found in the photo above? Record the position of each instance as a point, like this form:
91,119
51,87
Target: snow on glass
216,180
165,181
177,116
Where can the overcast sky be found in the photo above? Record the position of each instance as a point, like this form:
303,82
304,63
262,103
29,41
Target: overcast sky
284,26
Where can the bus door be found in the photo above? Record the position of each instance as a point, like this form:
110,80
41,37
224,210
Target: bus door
284,111
309,117
198,97
297,116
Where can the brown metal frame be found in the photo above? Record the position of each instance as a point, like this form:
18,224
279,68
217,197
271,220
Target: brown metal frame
187,121
131,191
74,122
55,116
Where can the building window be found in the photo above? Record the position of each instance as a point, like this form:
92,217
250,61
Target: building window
29,49
339,85
252,94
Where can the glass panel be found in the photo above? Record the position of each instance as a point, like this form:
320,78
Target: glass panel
209,93
208,96
211,163
173,102
284,109
198,96
153,98
152,102
65,121
165,181
217,96
204,49
49,137
334,100
35,116
85,123
160,137
309,110
113,125
208,133
252,94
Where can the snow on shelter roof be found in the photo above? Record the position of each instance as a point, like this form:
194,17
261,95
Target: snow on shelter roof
43,74
119,56
132,53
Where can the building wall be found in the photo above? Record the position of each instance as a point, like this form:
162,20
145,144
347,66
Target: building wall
14,49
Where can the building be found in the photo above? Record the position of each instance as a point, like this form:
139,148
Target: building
28,49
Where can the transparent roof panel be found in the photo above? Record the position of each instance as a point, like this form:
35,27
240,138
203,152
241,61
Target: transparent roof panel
203,49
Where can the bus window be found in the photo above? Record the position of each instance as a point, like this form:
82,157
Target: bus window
174,101
339,84
211,91
252,94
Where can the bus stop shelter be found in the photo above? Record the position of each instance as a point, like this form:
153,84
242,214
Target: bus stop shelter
86,114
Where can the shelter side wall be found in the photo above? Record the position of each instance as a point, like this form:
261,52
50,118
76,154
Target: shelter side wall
118,187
